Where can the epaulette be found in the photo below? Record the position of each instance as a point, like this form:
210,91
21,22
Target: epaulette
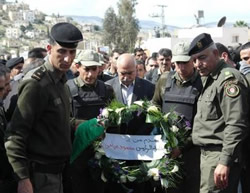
228,75
39,73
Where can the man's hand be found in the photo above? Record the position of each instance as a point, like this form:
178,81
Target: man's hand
24,186
221,174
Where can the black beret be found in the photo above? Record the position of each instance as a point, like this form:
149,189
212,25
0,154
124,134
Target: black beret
200,43
66,34
11,63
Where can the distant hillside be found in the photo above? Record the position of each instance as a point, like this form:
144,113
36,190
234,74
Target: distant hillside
144,24
87,19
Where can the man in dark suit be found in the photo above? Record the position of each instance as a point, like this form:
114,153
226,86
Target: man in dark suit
129,88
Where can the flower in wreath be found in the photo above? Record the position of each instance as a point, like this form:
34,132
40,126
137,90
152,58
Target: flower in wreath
171,133
154,172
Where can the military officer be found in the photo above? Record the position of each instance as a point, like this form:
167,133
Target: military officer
179,90
38,140
90,95
220,124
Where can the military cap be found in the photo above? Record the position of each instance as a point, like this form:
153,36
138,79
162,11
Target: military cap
101,59
66,34
200,43
11,63
180,52
88,58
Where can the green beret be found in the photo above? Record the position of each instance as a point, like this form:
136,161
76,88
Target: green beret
66,34
200,43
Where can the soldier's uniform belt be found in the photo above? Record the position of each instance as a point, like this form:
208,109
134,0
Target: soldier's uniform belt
47,168
211,147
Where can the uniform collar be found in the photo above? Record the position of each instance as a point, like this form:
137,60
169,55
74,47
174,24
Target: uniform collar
55,74
191,79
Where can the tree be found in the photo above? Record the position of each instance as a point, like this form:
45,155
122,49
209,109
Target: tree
96,27
110,28
22,28
2,32
121,30
38,21
128,25
240,23
29,27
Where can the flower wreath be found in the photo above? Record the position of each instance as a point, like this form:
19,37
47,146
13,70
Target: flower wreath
173,129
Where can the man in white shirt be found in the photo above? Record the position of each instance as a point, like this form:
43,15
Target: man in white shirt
129,88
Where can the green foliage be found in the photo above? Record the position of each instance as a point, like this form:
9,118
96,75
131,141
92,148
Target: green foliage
129,25
30,27
165,171
22,28
96,28
2,31
240,23
121,30
38,21
110,28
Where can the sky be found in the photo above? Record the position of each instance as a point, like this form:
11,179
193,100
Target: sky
178,12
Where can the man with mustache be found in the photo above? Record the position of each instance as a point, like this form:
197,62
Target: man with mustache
221,121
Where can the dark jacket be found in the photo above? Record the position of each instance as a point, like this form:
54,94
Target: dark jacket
40,126
143,89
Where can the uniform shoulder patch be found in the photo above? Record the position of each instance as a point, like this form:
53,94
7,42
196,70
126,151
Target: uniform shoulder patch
232,89
39,73
228,74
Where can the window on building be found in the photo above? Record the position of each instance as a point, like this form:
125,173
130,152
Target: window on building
235,39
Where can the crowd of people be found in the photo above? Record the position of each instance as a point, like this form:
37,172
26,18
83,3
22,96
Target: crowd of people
44,98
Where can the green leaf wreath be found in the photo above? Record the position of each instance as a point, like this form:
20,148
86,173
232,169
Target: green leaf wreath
164,171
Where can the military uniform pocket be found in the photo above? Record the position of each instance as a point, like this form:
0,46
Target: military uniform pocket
210,107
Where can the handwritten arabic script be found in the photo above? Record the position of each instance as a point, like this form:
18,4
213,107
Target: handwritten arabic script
134,147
